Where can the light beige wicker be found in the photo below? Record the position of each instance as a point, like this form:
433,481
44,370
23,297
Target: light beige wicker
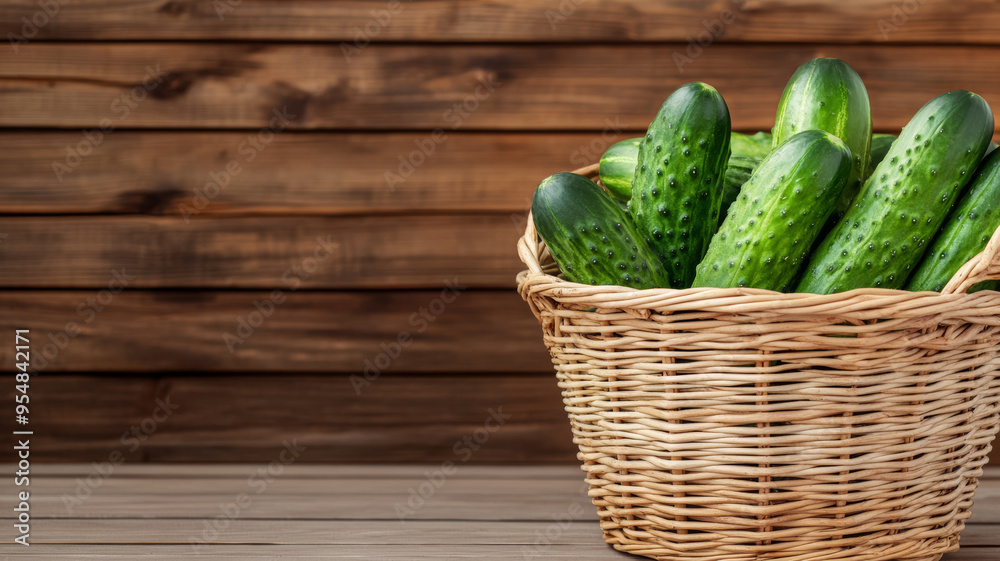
743,424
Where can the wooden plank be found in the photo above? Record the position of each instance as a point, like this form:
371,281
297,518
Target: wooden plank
497,87
350,532
243,552
107,524
310,471
986,509
296,488
515,20
504,503
496,418
973,554
308,173
305,532
265,506
170,331
981,535
596,552
305,173
286,253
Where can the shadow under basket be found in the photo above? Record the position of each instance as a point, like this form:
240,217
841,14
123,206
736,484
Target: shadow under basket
743,424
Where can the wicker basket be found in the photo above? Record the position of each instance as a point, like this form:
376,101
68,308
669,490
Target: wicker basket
744,424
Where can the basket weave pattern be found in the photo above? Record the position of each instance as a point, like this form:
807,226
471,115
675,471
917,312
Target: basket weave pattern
744,424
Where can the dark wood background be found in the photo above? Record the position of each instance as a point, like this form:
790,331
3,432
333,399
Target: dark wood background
567,78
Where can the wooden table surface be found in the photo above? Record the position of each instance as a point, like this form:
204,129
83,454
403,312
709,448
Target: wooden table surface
295,511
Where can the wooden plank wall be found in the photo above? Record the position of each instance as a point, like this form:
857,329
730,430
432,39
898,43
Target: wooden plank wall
231,209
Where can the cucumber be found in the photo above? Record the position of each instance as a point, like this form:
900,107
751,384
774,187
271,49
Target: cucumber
827,94
966,230
880,146
618,166
756,145
590,236
738,172
677,189
904,202
765,240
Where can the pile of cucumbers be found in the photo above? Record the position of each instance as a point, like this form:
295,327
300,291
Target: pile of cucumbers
819,205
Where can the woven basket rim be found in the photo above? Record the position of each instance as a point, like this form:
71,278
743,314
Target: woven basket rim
878,301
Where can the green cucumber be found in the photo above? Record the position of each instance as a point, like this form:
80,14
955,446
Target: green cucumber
738,172
756,145
591,237
677,189
618,166
765,240
907,198
827,94
966,230
880,147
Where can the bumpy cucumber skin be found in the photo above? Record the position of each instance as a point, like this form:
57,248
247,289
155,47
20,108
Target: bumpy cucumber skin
907,198
756,145
880,147
591,236
617,168
677,190
966,230
738,172
765,240
827,94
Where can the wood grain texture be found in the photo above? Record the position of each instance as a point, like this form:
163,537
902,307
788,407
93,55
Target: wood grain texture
306,173
599,552
514,20
315,471
287,253
353,532
298,488
478,512
505,503
176,331
465,419
423,87
316,532
434,552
